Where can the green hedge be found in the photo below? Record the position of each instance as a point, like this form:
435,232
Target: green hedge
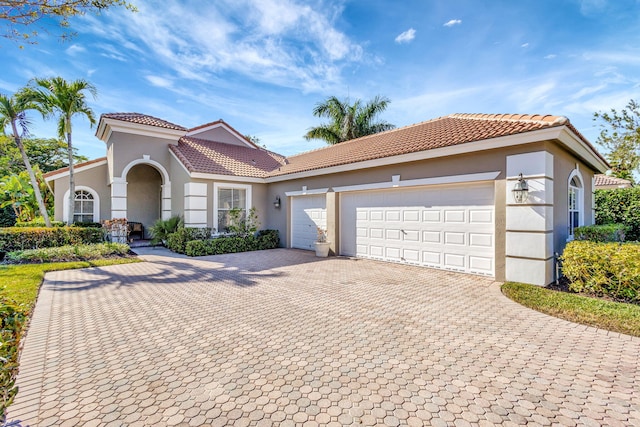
39,223
13,318
602,233
177,241
21,238
265,239
603,269
619,206
68,253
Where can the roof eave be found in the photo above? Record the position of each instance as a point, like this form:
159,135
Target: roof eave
109,125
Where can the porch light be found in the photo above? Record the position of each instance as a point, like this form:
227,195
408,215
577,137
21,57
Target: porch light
521,190
276,203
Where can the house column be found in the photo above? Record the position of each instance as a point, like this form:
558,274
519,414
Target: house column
529,225
333,230
195,204
166,201
119,198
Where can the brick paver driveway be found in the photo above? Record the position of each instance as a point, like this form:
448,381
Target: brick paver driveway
283,338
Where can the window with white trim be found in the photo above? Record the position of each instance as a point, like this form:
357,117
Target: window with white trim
228,197
83,206
575,204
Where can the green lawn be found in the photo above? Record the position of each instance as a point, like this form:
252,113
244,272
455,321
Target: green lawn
21,282
613,316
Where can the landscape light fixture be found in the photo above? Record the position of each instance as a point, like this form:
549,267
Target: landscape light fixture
521,190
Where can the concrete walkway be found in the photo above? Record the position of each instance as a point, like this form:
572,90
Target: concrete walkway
283,338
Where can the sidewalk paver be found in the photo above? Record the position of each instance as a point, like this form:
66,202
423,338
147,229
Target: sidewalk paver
283,338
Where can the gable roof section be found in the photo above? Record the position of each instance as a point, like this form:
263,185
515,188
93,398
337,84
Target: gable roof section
218,158
448,131
602,180
143,119
198,130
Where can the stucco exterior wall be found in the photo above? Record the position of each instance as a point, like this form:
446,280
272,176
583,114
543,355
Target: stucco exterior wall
127,148
95,178
179,177
564,164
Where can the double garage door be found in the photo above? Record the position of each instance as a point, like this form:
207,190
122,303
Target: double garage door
449,226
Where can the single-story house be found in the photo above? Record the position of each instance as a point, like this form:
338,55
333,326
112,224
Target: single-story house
438,193
606,182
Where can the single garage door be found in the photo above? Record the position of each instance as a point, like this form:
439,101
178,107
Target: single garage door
307,213
449,226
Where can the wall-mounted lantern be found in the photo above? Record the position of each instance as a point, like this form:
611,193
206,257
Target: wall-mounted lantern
521,190
276,203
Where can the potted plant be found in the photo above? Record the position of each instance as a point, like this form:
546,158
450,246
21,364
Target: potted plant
321,244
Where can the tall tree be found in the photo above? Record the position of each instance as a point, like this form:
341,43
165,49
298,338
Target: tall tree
57,97
19,14
620,135
47,153
348,121
12,113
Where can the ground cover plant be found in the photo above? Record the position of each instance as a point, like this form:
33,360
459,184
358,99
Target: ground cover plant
599,313
68,253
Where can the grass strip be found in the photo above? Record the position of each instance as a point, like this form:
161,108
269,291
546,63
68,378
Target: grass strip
21,282
603,314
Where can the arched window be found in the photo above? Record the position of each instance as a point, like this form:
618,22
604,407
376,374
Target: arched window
83,206
575,203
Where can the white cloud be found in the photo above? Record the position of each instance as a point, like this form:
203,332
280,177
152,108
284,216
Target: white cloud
75,49
159,81
287,43
452,22
551,56
407,36
524,45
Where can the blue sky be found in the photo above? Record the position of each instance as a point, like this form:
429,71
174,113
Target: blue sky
262,65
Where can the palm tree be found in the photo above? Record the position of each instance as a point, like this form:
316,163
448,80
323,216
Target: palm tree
12,112
348,121
57,97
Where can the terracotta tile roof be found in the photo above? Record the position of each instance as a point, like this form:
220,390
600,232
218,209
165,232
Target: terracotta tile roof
445,131
204,156
143,119
75,166
602,180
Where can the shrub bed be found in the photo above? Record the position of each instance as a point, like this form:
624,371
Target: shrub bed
13,317
265,239
602,233
22,238
603,269
177,241
67,253
38,223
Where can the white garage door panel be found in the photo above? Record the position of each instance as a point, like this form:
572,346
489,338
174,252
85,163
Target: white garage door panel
307,213
450,227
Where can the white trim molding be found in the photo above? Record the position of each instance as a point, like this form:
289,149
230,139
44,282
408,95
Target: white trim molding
96,202
76,169
305,192
217,186
397,183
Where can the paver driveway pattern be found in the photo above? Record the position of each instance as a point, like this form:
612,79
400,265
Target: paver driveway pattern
283,338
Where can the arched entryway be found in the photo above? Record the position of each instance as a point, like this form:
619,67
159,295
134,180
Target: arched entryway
144,195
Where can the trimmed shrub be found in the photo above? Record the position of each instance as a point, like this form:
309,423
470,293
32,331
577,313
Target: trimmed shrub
266,239
40,223
22,238
87,224
601,233
67,253
619,206
13,318
603,269
177,241
7,217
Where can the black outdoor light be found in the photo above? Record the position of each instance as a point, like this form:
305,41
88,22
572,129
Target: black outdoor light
276,203
521,190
